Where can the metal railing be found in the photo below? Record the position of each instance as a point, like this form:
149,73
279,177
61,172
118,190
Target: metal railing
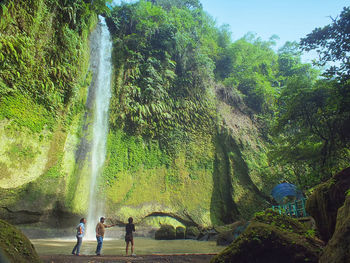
293,209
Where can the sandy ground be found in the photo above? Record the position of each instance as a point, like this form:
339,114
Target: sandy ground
194,258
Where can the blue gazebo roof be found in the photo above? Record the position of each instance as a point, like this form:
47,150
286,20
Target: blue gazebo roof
285,189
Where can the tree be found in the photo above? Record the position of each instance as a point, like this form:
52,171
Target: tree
249,65
332,43
310,119
169,4
313,118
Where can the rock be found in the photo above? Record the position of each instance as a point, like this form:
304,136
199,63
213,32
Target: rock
212,235
325,201
207,234
166,232
203,237
15,246
228,233
271,237
180,232
192,232
225,238
338,247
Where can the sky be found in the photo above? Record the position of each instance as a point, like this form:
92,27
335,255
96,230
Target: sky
290,20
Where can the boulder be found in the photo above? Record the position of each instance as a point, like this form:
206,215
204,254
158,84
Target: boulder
180,232
325,201
225,238
338,247
271,237
207,234
192,232
228,233
166,232
15,246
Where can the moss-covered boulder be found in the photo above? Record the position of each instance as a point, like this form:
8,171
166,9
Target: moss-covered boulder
165,232
271,237
338,247
325,201
180,232
15,246
192,232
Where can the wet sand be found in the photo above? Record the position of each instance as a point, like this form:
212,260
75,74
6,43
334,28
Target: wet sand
147,250
143,246
184,258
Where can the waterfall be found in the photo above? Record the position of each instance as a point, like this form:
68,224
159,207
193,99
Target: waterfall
102,91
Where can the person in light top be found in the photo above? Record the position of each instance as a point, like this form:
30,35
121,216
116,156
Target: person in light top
79,235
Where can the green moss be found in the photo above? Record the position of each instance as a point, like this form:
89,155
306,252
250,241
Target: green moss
283,222
269,243
15,245
25,112
126,153
21,155
157,221
4,171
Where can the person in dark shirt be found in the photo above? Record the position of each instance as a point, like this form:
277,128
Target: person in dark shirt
129,228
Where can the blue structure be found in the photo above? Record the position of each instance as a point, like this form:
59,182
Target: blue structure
284,190
295,208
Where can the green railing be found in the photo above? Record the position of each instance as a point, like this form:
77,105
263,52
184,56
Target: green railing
293,209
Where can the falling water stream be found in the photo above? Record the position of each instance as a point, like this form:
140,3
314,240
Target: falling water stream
102,90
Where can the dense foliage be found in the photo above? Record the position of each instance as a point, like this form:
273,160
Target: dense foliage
170,53
314,114
43,56
165,70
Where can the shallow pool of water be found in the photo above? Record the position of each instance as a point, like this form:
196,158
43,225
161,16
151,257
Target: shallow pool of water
143,246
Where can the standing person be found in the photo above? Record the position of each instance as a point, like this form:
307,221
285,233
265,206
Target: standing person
129,228
80,234
100,232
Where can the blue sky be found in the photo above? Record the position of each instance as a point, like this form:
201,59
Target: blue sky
289,19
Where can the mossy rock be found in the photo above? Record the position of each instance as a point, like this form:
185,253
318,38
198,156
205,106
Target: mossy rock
271,237
192,232
180,232
265,243
338,248
325,201
15,246
166,232
273,218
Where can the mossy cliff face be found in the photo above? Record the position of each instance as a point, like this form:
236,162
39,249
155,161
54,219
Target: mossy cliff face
245,153
41,109
200,165
213,177
15,246
142,181
325,201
